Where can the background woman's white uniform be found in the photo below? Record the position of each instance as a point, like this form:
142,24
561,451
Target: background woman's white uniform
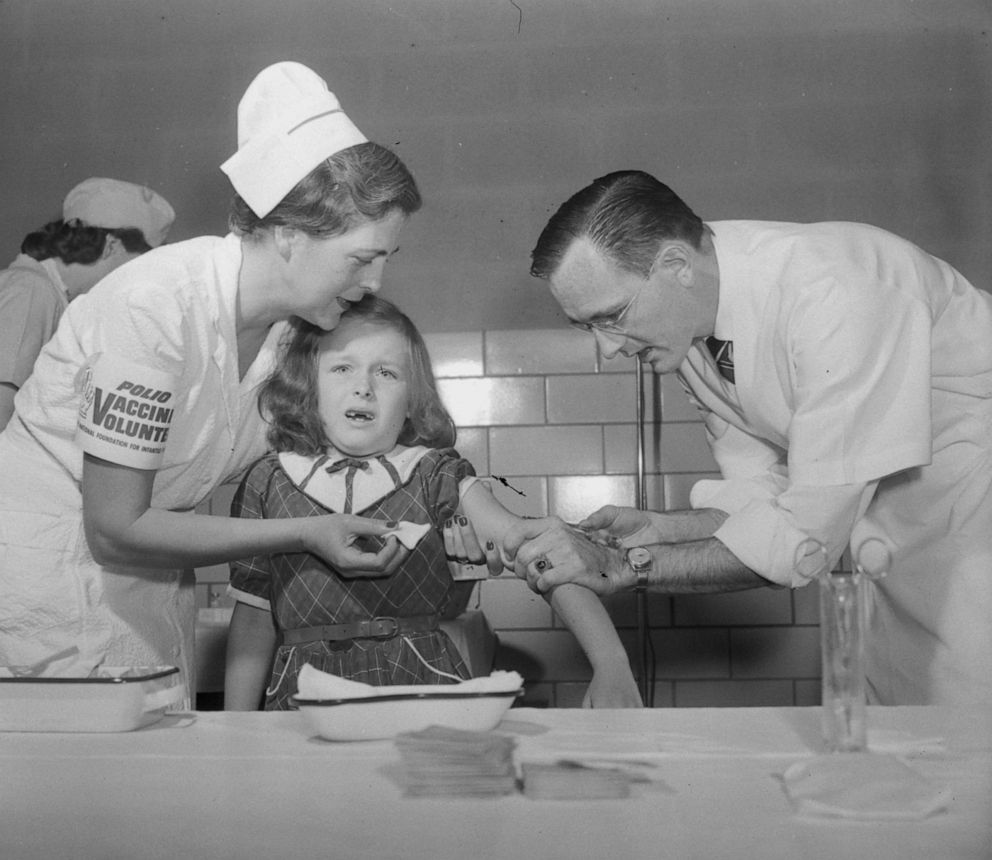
171,311
32,301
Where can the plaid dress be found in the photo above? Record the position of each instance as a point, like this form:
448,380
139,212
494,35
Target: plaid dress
303,591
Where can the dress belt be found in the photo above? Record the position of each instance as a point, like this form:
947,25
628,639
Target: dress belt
382,627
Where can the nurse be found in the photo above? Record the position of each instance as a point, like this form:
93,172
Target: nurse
845,380
144,401
105,223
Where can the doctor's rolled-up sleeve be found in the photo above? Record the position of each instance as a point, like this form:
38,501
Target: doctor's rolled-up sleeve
770,518
769,534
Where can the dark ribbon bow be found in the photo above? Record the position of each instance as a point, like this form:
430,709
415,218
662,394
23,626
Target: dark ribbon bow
348,463
353,464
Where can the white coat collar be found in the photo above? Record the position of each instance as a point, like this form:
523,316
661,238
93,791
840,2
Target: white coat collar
724,326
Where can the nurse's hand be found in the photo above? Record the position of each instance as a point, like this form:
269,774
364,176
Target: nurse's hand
549,552
354,546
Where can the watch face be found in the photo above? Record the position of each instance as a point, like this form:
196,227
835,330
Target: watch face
639,557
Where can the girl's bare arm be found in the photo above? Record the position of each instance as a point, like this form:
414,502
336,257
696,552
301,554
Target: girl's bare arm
251,642
613,684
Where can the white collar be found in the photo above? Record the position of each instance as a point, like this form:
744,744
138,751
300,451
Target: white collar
52,270
369,485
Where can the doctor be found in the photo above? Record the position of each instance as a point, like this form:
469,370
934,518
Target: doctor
105,223
845,380
144,401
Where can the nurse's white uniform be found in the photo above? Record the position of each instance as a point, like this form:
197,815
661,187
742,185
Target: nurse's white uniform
171,311
860,362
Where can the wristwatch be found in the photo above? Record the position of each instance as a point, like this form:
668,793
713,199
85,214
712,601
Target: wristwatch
641,561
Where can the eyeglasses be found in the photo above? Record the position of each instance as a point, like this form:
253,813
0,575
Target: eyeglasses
611,323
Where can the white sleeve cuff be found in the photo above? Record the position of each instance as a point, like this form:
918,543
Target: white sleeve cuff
765,541
249,599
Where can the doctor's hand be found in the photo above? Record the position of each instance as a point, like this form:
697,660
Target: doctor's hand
630,525
355,546
549,552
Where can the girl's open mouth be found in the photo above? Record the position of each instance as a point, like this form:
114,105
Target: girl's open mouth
358,415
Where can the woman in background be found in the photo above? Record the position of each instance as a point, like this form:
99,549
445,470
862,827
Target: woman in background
104,223
144,401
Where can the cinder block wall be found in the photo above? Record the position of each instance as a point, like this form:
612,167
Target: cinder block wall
540,409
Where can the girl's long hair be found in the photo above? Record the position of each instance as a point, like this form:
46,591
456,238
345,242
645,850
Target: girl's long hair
288,398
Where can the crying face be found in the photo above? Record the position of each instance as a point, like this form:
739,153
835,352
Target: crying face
363,372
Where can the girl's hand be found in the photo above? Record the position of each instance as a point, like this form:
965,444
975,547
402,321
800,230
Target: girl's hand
612,690
461,546
355,546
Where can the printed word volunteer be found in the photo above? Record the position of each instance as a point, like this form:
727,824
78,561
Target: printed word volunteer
153,420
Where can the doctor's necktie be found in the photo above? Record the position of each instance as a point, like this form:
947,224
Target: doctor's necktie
723,355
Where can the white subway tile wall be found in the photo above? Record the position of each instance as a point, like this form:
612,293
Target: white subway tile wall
554,427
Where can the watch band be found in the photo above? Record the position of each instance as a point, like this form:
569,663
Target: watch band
641,562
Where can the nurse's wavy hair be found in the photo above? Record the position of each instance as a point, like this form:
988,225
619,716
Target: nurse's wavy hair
288,398
365,182
626,215
75,242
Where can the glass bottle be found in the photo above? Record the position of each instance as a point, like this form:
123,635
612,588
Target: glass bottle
842,647
843,626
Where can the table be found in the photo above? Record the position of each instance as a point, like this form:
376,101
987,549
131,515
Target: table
253,785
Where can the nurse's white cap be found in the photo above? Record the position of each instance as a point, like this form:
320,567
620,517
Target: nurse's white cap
288,123
114,205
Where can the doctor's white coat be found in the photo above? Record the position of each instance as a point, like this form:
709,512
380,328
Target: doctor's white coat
860,362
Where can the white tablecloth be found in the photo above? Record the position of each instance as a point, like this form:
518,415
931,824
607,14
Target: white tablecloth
254,785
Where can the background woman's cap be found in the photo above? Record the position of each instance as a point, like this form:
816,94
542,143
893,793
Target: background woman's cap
115,205
288,123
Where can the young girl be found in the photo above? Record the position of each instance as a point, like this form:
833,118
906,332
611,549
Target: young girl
357,427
